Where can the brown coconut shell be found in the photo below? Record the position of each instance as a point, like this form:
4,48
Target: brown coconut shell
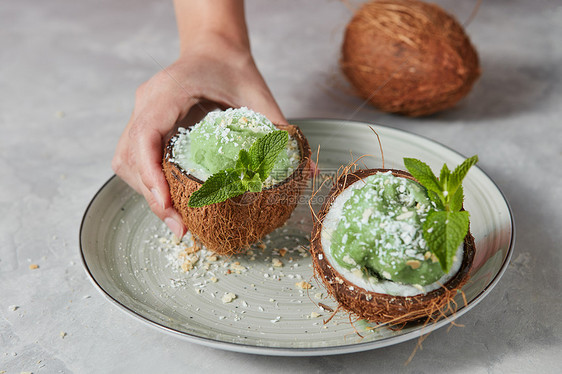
408,57
377,307
231,226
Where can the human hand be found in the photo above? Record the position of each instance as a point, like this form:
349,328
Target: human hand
211,70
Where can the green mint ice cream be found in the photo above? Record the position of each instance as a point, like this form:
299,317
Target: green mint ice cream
213,144
380,230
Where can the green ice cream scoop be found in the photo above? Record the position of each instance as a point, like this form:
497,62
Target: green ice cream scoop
381,231
217,140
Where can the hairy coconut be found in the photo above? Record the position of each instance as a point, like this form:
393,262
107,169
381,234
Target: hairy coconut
231,226
379,307
408,57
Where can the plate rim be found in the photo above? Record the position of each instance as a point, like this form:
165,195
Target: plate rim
299,351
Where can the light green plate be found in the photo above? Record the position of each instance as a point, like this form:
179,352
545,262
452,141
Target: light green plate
126,253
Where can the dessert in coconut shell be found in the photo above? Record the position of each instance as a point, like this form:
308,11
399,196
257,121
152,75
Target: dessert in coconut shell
376,297
230,226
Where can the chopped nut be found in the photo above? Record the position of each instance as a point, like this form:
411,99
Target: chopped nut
303,285
314,315
357,272
212,258
189,263
186,266
414,264
193,249
282,252
434,258
277,263
237,267
348,260
33,266
228,297
427,255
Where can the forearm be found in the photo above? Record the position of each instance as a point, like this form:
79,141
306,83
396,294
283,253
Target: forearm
200,19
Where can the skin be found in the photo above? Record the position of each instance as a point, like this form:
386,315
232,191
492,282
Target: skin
215,69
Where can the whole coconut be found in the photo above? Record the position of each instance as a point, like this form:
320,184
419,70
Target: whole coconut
408,57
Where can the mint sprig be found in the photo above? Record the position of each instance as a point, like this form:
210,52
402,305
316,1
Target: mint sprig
447,225
252,168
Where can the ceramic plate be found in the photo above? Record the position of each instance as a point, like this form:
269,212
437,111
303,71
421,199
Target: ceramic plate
257,303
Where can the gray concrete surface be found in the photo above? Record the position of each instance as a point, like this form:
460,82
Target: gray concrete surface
68,72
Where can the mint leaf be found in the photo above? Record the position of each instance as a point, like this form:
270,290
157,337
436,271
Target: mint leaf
244,161
447,225
219,187
455,202
423,173
253,184
444,175
265,151
445,231
437,200
252,169
460,172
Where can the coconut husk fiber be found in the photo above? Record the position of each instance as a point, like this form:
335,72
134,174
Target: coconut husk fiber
231,226
377,307
408,57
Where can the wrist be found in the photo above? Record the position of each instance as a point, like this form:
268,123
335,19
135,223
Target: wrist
204,21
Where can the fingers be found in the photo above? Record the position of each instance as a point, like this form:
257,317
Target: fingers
138,160
168,214
147,138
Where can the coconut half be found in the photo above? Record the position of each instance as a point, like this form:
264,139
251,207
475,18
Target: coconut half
381,307
231,226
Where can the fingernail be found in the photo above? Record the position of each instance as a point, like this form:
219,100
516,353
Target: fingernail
157,197
174,227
